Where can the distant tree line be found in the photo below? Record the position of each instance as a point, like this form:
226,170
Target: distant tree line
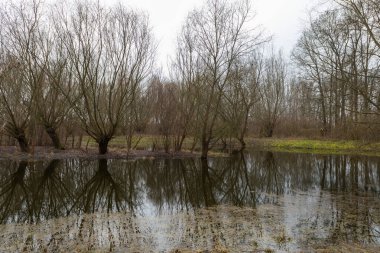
337,57
72,66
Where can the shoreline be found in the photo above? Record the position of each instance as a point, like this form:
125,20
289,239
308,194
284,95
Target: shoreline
287,145
42,152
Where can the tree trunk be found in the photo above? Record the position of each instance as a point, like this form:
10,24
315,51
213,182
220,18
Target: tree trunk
243,130
224,143
19,175
23,143
268,129
207,185
129,138
194,144
102,165
49,170
18,133
73,141
103,145
54,137
205,149
79,145
179,143
166,143
242,143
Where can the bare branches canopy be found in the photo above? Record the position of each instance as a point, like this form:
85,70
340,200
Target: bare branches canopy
87,70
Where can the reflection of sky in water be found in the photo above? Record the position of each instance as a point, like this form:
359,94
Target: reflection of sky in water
261,199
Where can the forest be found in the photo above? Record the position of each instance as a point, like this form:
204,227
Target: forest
80,68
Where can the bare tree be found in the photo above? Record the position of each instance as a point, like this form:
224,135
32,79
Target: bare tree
19,73
241,95
137,117
50,105
110,52
219,37
15,101
339,60
367,13
187,73
304,55
272,93
163,97
365,16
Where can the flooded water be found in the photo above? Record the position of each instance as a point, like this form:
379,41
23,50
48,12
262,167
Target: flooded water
252,202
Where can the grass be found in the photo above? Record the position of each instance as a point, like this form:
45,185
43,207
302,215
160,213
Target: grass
143,141
139,142
319,146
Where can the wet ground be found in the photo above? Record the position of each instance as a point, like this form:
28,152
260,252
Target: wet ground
49,153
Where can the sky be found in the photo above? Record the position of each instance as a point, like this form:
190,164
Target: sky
283,19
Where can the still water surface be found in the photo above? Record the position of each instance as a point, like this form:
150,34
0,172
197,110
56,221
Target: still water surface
251,202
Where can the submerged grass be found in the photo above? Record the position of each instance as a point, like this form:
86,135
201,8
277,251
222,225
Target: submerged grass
279,227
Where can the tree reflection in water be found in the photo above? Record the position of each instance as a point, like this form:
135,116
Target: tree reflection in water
51,196
101,192
317,200
14,195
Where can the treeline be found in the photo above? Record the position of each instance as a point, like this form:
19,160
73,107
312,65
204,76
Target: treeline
337,57
91,67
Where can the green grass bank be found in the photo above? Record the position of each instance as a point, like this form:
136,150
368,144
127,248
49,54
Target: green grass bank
318,146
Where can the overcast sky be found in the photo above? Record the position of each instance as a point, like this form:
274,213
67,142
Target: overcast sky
283,19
